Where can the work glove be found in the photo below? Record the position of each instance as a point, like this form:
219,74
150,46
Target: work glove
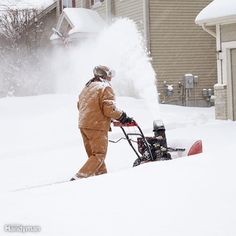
125,119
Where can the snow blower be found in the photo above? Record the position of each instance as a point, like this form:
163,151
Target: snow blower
153,148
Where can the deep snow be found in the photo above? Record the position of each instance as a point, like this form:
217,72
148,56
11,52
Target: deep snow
40,143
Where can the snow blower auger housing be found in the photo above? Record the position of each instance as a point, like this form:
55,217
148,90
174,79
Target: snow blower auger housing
149,148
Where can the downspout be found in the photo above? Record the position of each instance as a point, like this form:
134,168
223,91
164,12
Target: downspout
219,55
59,22
146,24
59,7
217,36
108,11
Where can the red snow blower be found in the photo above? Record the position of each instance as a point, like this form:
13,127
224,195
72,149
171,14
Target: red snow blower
152,148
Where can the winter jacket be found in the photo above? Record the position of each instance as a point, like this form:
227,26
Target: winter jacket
96,106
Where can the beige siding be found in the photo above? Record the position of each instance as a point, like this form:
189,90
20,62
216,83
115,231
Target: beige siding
101,10
78,3
82,3
178,46
132,9
228,32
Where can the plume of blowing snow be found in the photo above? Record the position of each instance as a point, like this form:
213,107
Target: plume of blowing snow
120,47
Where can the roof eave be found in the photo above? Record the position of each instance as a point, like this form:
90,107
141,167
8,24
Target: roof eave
217,21
47,10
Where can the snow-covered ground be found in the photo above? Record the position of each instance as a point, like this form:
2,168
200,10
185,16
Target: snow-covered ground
40,144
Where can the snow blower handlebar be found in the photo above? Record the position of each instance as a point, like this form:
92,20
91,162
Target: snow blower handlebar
127,135
119,124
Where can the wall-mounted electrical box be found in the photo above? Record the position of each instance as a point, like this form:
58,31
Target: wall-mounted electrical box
188,82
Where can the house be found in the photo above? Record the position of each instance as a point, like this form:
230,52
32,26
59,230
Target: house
219,20
183,55
48,17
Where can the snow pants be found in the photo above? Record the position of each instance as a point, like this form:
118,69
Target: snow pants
95,143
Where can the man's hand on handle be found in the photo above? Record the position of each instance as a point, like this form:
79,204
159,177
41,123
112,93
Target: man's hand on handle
125,119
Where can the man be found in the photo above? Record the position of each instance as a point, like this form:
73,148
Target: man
97,107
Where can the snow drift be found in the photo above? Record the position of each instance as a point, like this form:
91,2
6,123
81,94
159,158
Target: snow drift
40,144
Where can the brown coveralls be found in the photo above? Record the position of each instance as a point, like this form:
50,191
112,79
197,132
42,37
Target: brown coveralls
96,107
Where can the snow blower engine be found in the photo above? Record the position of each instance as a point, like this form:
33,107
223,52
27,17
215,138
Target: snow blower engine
153,148
149,148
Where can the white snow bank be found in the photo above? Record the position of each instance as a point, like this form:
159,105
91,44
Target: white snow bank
218,11
40,144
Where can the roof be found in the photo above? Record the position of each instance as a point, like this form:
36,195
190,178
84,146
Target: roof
217,12
24,4
81,20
